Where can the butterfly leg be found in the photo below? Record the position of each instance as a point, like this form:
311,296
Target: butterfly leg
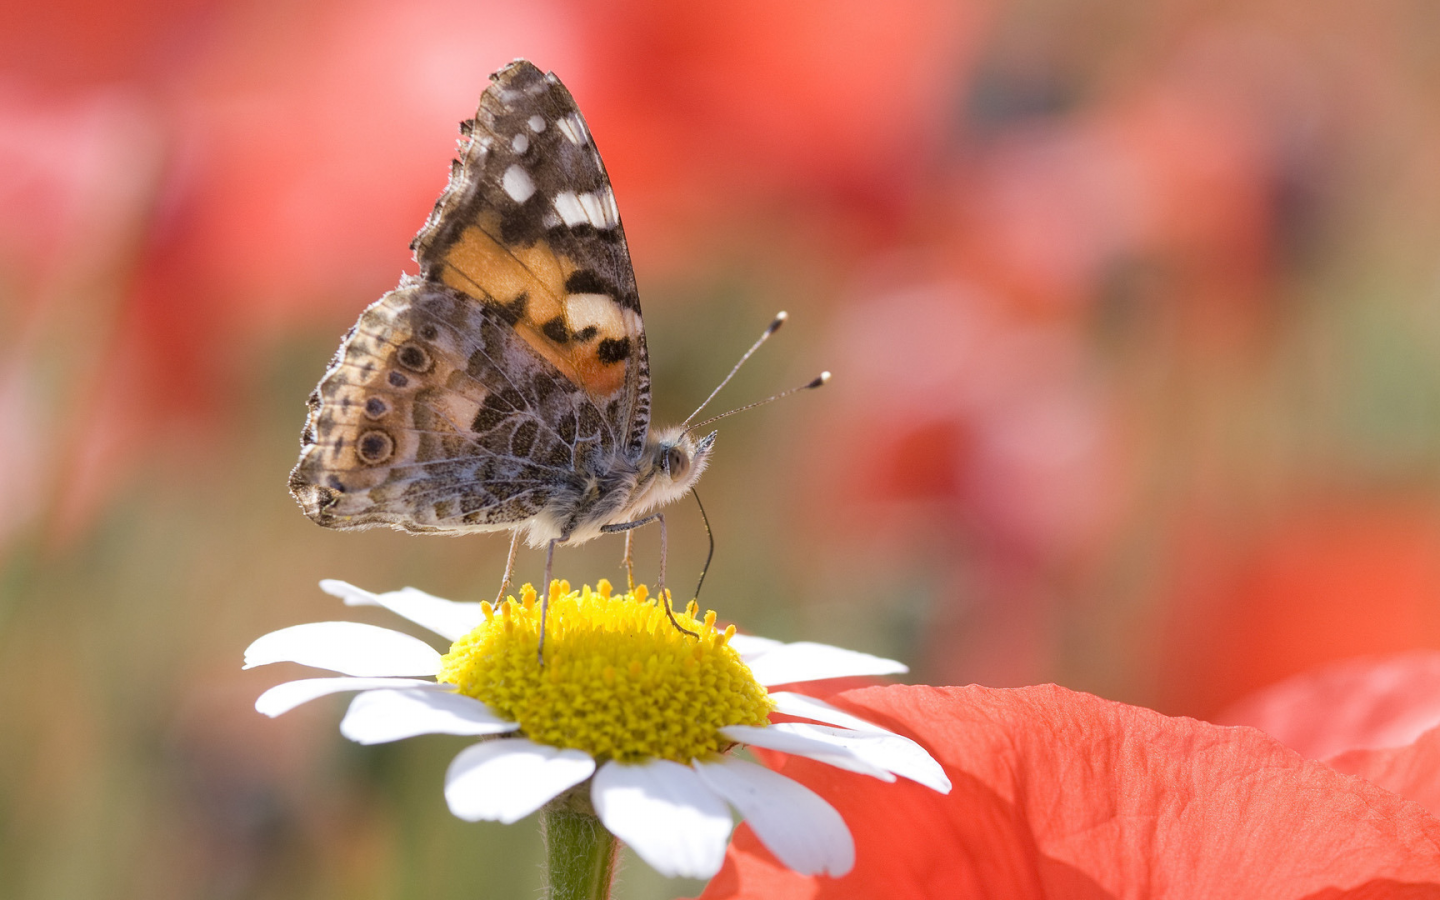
628,528
509,566
545,596
629,560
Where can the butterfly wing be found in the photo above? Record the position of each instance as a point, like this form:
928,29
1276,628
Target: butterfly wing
479,394
528,225
435,415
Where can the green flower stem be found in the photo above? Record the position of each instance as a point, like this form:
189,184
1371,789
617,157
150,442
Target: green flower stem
580,853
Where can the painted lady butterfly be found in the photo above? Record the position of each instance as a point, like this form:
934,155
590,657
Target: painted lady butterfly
507,387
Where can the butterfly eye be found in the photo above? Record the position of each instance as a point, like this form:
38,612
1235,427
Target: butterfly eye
676,462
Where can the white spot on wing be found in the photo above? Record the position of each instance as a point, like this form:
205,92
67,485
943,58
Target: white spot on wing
520,143
578,122
633,323
569,208
517,184
573,129
612,211
537,123
596,211
600,310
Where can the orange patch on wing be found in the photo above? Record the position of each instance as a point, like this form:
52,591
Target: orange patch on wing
600,380
481,266
478,260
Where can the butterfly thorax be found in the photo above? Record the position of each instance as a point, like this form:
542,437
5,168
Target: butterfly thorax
671,463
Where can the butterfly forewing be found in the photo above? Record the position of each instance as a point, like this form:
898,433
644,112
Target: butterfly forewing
529,224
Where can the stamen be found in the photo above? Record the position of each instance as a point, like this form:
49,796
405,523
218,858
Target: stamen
618,681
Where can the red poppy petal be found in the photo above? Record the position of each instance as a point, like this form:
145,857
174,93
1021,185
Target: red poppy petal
1356,704
1412,771
1060,794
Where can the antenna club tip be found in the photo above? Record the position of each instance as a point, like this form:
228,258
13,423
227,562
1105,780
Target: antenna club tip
823,378
780,318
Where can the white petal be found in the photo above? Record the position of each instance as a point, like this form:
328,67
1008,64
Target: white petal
885,750
749,646
782,737
666,814
375,717
351,648
447,618
352,595
806,661
801,706
284,697
800,828
506,780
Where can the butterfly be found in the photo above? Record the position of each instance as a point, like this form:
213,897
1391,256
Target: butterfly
507,386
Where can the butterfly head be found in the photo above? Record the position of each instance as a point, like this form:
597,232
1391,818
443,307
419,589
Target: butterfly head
673,461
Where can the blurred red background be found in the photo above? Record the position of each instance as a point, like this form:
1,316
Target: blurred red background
1132,312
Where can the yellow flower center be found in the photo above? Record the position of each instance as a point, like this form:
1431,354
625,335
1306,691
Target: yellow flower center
619,681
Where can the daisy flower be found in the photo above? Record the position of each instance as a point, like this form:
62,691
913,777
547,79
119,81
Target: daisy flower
628,720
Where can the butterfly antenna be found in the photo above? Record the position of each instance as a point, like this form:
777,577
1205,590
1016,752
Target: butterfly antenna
780,318
710,535
810,385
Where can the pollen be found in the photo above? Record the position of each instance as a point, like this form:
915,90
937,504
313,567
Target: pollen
618,681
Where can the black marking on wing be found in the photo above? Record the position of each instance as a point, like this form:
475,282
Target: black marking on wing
613,351
584,281
556,331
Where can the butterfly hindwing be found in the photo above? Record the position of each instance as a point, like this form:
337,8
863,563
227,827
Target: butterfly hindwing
436,416
528,226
